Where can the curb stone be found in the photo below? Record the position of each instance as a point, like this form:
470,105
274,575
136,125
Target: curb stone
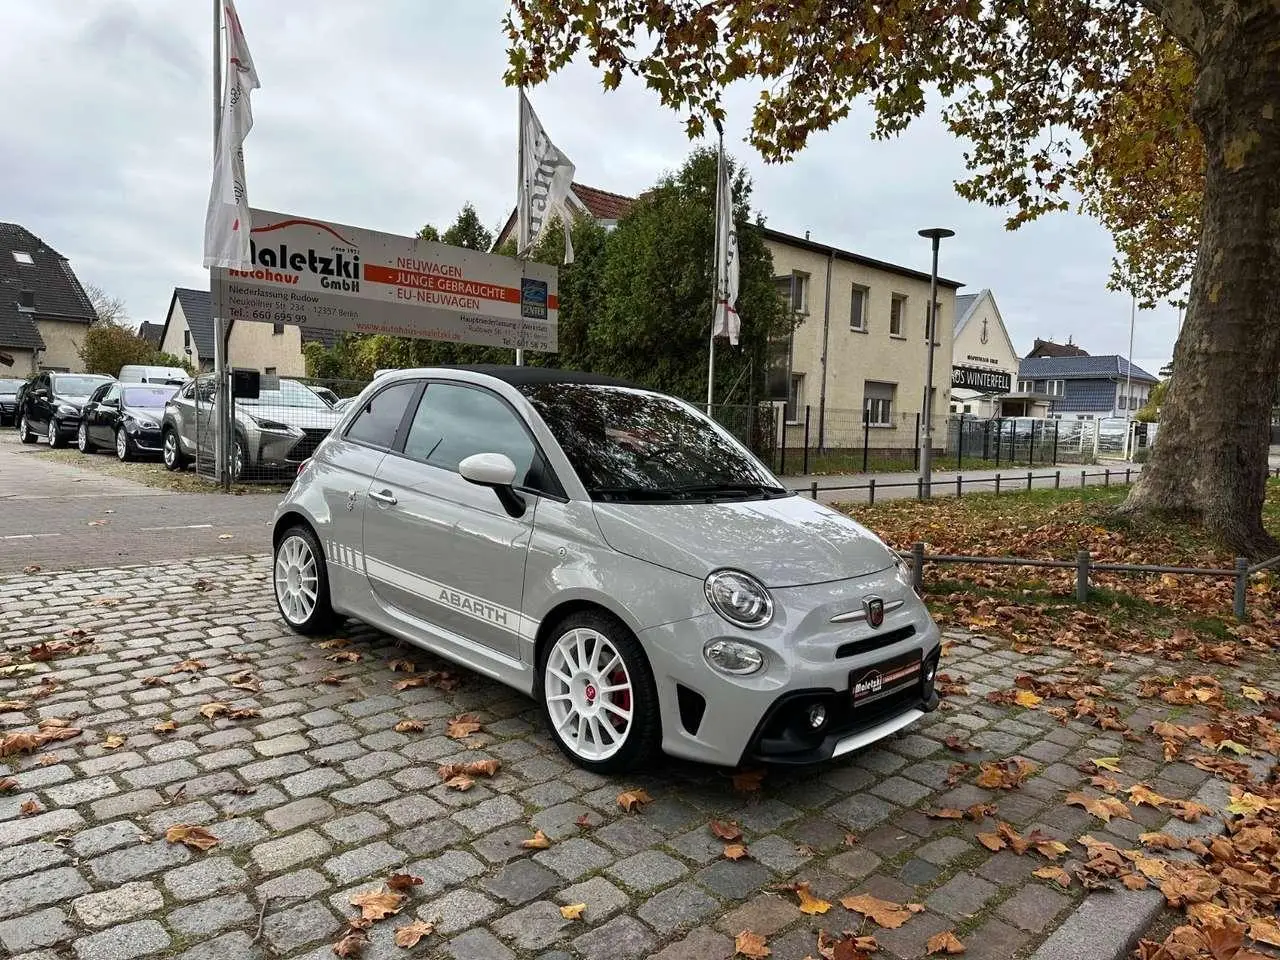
1108,926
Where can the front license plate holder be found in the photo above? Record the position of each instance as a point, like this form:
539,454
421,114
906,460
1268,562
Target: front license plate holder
880,680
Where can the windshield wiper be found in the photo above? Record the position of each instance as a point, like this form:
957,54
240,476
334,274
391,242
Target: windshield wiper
627,493
730,490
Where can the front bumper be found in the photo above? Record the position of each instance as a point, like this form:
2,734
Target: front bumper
283,452
714,717
146,441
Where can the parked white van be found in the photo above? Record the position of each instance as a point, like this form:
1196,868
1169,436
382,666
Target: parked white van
140,373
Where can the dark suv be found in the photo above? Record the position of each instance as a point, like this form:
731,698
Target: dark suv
52,404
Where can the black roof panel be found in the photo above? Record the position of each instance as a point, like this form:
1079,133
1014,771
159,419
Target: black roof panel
529,376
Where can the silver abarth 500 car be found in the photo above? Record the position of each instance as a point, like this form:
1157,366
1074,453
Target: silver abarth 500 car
616,555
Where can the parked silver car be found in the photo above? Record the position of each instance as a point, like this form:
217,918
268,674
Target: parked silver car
616,555
274,432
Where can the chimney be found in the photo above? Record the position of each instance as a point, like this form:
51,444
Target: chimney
806,234
26,301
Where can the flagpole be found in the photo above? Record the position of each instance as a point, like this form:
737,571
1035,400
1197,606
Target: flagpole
520,220
715,274
220,424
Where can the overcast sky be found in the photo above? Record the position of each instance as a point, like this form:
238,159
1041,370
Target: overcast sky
390,114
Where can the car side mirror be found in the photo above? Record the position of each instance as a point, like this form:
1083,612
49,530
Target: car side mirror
494,470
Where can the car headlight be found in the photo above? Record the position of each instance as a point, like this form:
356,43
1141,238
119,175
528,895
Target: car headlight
273,425
67,410
731,656
146,423
740,598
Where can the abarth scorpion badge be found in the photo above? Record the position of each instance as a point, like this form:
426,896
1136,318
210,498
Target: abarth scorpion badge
873,607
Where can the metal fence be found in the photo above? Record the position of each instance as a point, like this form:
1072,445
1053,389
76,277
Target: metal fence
959,485
1083,565
272,432
834,441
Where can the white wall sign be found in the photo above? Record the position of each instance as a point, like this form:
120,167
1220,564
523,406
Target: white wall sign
319,274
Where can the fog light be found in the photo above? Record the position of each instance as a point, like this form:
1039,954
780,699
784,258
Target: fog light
817,716
929,670
730,656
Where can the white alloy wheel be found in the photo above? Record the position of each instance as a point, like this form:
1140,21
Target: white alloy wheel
589,695
297,579
51,436
170,450
82,438
122,443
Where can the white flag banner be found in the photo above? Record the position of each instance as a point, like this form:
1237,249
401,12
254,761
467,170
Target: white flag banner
727,323
226,225
546,179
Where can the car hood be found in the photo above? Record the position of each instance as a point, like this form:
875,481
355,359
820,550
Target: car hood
149,413
76,402
787,542
306,418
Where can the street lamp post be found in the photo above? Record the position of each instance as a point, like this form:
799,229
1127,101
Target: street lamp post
937,235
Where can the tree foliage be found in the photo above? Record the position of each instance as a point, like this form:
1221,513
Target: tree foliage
635,303
108,346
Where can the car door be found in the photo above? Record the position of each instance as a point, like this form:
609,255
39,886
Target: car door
40,403
348,465
444,551
102,418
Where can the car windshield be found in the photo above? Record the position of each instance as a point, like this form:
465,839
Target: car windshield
77,386
10,386
156,396
288,394
634,445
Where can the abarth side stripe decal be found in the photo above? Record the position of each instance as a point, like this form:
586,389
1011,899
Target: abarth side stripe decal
470,605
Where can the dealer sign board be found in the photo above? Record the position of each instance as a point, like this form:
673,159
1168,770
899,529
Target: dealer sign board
319,274
977,378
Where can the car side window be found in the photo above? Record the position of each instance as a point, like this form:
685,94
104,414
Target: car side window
112,395
453,422
380,418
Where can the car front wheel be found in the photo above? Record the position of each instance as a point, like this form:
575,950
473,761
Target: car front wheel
54,436
83,444
124,446
598,694
301,582
25,433
174,458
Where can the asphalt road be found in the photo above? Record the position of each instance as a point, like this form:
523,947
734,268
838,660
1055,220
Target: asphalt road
63,517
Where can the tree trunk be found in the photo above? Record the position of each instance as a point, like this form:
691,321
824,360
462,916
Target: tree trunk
1210,456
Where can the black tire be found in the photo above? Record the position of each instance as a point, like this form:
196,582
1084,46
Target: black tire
25,433
644,736
174,458
54,434
240,459
83,443
322,619
124,446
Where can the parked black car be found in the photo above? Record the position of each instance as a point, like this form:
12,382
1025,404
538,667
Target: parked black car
51,406
9,388
125,416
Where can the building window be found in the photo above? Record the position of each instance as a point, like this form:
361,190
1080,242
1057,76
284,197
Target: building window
877,402
277,329
795,397
269,371
897,310
1025,386
186,340
928,321
858,308
1054,387
794,290
21,256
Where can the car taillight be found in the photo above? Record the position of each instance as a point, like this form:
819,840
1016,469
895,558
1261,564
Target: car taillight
303,465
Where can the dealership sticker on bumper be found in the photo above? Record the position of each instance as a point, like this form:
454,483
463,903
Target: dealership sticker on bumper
883,679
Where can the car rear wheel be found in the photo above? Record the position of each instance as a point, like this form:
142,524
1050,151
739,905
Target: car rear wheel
83,444
124,446
174,458
598,694
25,433
302,583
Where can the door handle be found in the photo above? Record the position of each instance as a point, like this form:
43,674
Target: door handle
383,496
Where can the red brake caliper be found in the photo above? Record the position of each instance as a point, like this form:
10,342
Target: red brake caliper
621,699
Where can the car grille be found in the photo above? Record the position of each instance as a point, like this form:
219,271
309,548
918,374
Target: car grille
874,642
305,447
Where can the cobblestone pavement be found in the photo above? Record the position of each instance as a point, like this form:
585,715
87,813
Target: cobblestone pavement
319,797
